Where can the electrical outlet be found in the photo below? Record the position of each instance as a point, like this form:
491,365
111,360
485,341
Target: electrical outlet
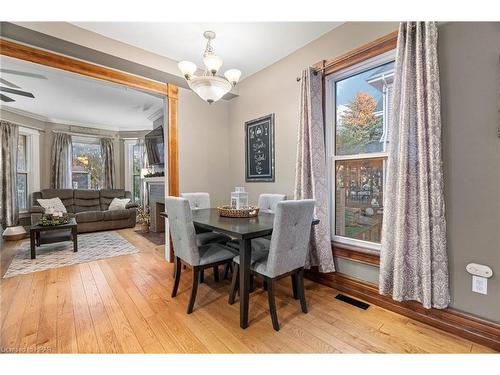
480,284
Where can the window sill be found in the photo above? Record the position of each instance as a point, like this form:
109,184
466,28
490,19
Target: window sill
356,253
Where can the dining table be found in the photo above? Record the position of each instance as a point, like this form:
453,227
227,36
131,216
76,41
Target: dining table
244,230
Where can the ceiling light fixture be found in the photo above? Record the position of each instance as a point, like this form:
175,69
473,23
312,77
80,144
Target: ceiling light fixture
209,86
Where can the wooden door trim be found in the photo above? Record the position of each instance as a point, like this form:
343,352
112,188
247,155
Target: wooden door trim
54,60
374,48
450,320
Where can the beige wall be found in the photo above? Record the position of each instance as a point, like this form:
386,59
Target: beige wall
469,62
203,147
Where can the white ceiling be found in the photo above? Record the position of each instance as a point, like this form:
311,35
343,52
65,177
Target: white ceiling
248,47
73,99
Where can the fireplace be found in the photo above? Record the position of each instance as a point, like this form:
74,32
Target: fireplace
155,199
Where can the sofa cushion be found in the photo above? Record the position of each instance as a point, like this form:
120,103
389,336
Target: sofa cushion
52,205
118,204
116,214
66,196
86,200
89,216
107,195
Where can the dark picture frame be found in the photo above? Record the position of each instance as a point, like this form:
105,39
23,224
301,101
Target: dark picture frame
259,149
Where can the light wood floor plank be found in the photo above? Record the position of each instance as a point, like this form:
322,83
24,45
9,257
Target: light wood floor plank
106,337
84,327
31,317
121,325
13,318
123,305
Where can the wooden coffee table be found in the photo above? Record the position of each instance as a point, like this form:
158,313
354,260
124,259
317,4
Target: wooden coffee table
53,234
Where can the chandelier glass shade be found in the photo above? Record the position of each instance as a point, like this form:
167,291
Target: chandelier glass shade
209,86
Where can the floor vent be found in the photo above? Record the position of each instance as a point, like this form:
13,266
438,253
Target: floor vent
352,301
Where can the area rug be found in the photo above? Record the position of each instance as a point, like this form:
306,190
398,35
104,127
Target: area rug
156,238
91,246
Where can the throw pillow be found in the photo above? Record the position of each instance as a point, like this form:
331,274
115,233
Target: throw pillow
52,205
118,204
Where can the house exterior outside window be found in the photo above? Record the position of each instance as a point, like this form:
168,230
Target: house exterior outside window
87,167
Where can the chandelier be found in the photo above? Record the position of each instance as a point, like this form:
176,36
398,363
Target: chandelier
209,86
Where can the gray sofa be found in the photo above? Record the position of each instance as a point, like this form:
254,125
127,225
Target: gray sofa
89,208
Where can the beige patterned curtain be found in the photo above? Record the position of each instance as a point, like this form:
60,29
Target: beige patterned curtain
413,259
60,161
9,209
107,154
310,177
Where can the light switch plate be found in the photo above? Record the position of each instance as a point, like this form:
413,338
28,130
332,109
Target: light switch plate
480,284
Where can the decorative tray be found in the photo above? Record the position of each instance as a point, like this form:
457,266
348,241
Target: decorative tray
229,211
51,220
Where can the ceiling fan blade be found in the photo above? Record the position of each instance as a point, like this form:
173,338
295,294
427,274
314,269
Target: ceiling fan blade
4,98
24,74
8,83
17,92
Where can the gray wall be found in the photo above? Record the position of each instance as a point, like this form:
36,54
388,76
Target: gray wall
469,54
470,83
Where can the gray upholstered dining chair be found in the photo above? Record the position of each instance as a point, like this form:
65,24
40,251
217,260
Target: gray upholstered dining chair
198,201
267,204
186,249
287,253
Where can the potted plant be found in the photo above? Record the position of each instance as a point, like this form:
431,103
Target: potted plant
143,218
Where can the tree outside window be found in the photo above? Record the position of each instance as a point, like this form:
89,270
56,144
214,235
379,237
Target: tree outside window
87,166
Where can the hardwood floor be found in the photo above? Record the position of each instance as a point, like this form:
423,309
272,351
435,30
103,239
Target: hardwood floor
123,305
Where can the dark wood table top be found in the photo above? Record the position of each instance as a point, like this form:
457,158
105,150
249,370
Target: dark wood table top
243,228
45,228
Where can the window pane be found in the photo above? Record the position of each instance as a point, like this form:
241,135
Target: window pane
87,165
359,198
362,107
22,191
21,153
137,188
137,159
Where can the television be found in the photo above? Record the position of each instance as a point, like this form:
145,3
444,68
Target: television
155,150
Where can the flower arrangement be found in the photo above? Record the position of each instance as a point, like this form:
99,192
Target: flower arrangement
54,218
143,217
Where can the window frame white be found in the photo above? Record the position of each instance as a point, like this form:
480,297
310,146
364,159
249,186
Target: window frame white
84,139
330,133
129,144
32,170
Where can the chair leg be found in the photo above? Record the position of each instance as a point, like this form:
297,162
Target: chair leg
177,273
252,285
272,304
216,273
228,267
194,289
301,291
294,286
264,284
201,276
234,284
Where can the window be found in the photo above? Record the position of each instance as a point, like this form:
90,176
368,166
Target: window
134,162
87,165
22,172
137,151
358,107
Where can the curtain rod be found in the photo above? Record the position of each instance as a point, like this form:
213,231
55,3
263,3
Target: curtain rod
84,135
26,126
